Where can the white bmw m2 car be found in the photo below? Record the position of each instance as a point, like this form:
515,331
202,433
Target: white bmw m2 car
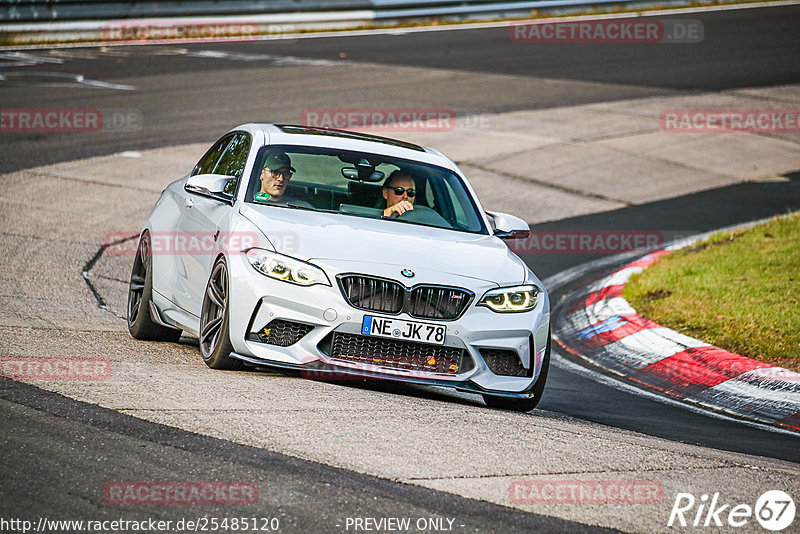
342,254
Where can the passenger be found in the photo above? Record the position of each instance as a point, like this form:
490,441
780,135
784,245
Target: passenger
275,177
399,192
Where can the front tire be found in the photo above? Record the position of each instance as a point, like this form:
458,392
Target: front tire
524,405
140,294
215,340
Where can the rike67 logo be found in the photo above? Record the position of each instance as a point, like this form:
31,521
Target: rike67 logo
774,510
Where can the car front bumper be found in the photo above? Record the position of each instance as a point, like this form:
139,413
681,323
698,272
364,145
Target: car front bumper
257,300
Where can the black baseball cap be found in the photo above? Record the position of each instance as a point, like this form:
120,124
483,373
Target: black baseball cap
279,160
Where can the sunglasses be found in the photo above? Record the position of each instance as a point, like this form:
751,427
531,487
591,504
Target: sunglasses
400,190
286,174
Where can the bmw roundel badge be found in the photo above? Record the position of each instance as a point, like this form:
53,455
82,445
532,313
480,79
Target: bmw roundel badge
408,273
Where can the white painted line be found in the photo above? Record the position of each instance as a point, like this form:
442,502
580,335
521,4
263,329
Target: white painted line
60,79
277,60
21,59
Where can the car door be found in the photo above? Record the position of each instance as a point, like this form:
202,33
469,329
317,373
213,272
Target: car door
181,295
202,220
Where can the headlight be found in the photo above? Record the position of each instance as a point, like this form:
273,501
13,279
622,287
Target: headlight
511,299
286,268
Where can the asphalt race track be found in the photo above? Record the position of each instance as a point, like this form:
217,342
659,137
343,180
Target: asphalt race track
190,96
55,449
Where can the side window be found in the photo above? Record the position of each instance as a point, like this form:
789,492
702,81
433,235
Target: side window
233,160
209,161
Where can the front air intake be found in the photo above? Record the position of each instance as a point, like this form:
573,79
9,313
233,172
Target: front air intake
381,295
281,333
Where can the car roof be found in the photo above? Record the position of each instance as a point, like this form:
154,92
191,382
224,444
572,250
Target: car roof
289,134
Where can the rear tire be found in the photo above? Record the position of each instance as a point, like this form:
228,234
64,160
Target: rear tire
215,340
528,404
140,294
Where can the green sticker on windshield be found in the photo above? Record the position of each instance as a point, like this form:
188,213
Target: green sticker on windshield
262,197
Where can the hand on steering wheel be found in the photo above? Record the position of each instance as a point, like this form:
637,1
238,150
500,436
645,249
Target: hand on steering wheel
398,209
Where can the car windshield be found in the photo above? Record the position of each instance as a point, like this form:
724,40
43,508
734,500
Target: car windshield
362,185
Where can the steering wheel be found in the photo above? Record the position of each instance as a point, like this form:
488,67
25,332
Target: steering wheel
424,215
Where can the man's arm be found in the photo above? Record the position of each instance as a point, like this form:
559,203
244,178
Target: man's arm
399,208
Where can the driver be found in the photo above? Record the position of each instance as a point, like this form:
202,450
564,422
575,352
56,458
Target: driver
399,192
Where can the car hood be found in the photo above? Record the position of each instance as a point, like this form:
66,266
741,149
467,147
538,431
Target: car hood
349,241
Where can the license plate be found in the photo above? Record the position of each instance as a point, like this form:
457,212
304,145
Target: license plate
403,330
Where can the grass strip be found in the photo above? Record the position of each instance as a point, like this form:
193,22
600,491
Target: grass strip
739,291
